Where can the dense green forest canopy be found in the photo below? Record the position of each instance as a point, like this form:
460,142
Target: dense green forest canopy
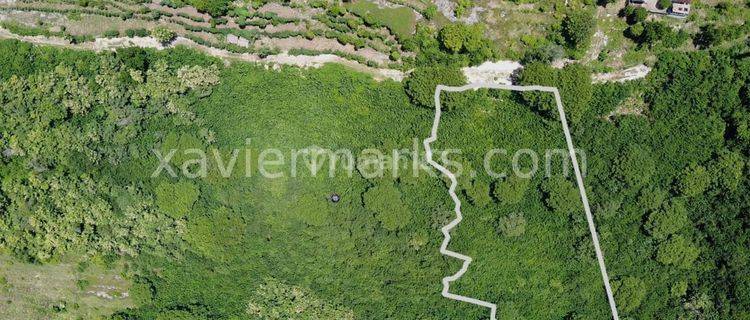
79,133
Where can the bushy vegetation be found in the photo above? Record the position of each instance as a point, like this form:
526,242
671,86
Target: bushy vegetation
61,119
79,135
163,34
578,27
215,8
679,201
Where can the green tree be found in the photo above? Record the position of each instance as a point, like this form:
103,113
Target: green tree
479,192
430,12
578,28
198,78
576,90
163,34
385,200
467,39
541,74
561,195
629,293
275,300
672,219
678,251
511,190
421,84
176,199
461,6
635,31
635,14
636,166
452,37
545,53
216,235
512,225
712,35
312,210
664,4
727,170
694,180
573,82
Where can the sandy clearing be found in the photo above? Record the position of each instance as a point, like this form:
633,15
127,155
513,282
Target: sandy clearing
102,44
499,72
632,73
446,7
599,42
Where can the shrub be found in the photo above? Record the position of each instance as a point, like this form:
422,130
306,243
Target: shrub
176,200
561,196
385,201
111,34
578,28
395,55
430,12
421,84
512,225
215,8
136,33
163,34
678,251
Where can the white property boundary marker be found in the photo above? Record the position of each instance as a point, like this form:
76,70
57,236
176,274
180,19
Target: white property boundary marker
452,191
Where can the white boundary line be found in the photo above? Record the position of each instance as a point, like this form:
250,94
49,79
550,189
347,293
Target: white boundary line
452,191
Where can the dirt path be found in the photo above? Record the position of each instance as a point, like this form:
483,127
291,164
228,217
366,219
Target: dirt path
500,72
275,61
633,73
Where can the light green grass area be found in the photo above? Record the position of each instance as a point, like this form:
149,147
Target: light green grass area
508,23
63,290
400,21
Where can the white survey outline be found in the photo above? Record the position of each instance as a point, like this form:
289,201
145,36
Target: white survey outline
452,191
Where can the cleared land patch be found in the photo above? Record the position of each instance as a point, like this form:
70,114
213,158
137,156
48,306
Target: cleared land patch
400,20
65,289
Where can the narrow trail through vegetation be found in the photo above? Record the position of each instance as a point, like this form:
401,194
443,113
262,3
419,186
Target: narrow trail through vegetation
305,61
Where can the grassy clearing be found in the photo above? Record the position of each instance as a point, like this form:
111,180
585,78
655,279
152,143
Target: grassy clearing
401,21
63,290
509,24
